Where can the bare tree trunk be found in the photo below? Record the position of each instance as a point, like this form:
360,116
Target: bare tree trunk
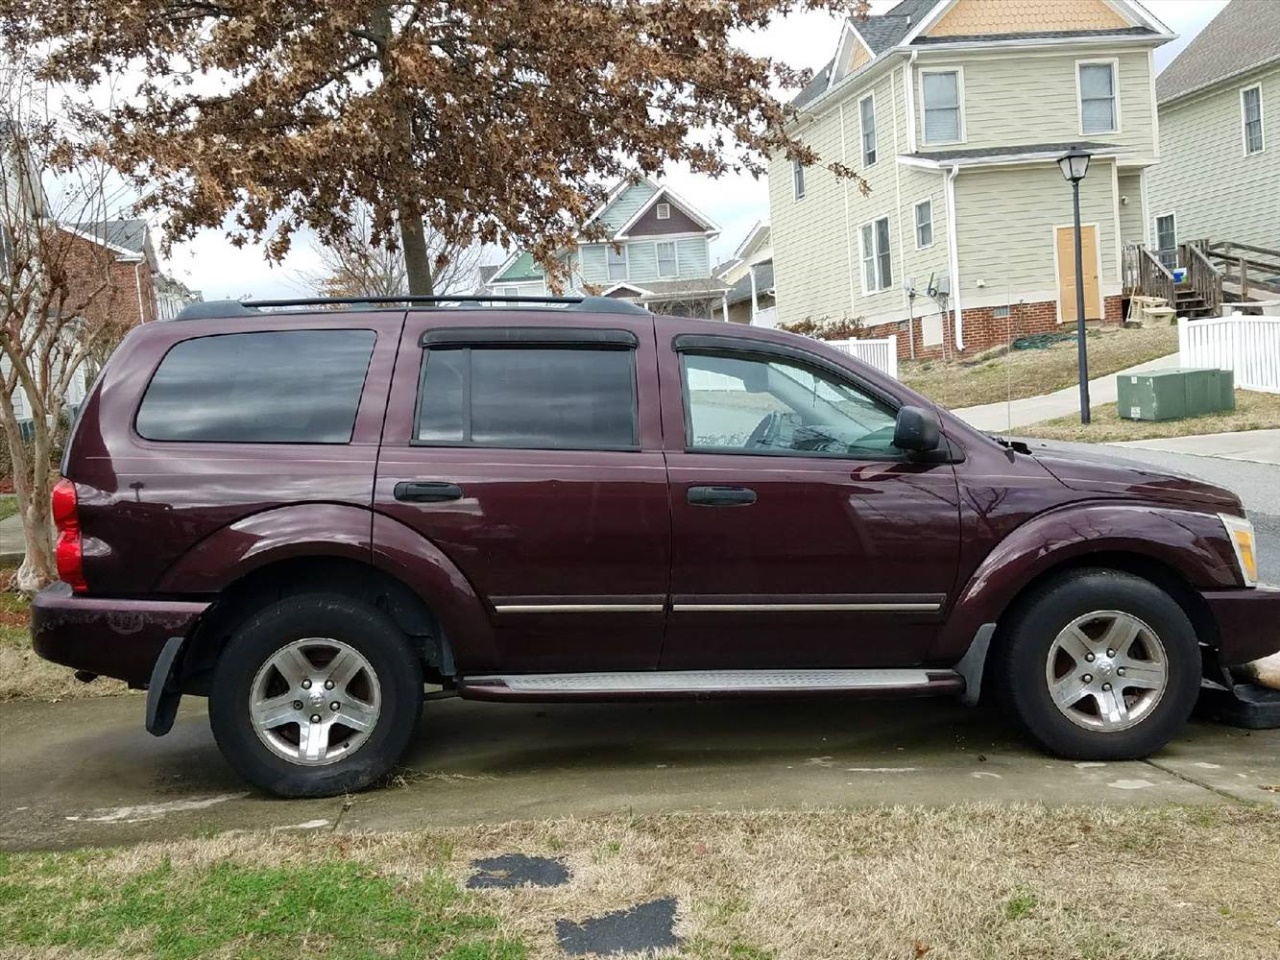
417,261
32,486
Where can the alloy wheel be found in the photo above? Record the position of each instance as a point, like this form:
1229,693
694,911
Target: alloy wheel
1107,671
315,701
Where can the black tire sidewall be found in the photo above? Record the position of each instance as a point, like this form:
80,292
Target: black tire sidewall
1026,693
363,627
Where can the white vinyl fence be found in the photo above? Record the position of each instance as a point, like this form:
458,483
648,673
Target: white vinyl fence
881,354
1248,346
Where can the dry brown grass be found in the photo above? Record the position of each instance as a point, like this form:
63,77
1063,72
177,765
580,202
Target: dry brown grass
23,675
961,882
1254,411
1031,373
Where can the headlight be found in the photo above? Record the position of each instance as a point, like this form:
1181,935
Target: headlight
1240,533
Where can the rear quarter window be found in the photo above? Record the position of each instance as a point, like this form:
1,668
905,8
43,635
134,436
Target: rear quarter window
293,386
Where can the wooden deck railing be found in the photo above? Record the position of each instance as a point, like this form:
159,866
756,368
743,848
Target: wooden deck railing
1204,277
1146,275
1246,266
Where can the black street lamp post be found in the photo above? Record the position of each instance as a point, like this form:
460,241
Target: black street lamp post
1074,165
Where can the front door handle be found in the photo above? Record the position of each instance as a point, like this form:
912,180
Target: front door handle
721,496
427,491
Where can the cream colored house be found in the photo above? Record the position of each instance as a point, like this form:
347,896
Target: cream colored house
1219,107
749,275
955,112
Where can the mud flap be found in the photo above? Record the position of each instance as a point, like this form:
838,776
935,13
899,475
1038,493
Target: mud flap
163,693
973,663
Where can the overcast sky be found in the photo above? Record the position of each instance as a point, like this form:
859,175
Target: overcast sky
210,264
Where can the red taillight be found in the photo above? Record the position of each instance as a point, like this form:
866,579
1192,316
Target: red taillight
66,517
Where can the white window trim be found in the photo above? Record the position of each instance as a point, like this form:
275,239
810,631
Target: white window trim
875,260
675,259
915,217
875,123
958,70
797,180
662,211
626,261
1262,121
1155,231
1114,63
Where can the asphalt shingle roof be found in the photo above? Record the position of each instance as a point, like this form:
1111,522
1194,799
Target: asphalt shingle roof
1246,34
741,290
1043,34
129,234
1014,151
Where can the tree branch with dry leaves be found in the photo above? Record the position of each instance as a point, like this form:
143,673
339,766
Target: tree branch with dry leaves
493,121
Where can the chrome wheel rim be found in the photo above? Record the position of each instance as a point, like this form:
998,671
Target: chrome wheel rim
1107,671
315,701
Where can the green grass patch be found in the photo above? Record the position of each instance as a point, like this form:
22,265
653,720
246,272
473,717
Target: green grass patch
1254,411
301,910
8,506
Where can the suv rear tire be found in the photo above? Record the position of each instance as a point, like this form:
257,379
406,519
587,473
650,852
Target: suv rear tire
315,695
1099,665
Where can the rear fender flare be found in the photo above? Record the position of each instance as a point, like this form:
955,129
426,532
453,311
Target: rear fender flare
327,530
1193,544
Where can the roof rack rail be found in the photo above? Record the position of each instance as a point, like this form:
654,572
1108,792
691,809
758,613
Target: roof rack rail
243,308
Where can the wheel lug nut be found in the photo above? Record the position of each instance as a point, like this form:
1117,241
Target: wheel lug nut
1087,678
315,718
328,684
306,684
297,704
1120,671
335,705
1106,686
1111,653
1089,657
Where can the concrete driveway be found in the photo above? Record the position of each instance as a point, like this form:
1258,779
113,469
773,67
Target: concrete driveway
85,772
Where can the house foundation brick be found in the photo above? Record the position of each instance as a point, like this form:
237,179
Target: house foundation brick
983,329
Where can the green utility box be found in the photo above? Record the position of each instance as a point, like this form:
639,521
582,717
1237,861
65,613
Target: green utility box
1174,394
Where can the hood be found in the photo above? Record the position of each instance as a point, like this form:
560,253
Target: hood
1092,471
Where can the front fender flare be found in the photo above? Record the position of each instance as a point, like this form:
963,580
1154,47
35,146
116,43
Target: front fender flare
1192,543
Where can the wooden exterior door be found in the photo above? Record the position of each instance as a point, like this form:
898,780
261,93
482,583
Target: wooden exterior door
1067,273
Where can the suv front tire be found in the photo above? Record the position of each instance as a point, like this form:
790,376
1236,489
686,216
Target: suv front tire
1100,665
315,695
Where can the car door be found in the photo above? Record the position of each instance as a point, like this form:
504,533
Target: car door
801,536
527,448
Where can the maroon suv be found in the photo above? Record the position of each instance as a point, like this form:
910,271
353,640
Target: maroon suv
308,515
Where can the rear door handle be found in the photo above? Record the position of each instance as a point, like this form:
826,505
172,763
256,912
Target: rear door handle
721,496
427,491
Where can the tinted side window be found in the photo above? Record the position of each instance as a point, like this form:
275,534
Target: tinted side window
758,406
538,397
295,386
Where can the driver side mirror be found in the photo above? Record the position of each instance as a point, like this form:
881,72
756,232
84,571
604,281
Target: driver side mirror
916,430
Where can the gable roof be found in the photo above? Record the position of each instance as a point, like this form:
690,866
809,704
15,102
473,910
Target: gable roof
1240,38
905,24
667,195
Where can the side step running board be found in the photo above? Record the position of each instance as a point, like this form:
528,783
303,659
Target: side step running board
678,684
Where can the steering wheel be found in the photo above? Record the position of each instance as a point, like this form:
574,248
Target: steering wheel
765,430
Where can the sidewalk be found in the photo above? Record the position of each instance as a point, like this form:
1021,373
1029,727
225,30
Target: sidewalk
1021,413
12,543
1254,446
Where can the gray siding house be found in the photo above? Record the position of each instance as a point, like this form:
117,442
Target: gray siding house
955,112
1219,108
657,254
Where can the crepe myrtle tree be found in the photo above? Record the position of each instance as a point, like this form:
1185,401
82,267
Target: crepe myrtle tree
56,296
489,121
